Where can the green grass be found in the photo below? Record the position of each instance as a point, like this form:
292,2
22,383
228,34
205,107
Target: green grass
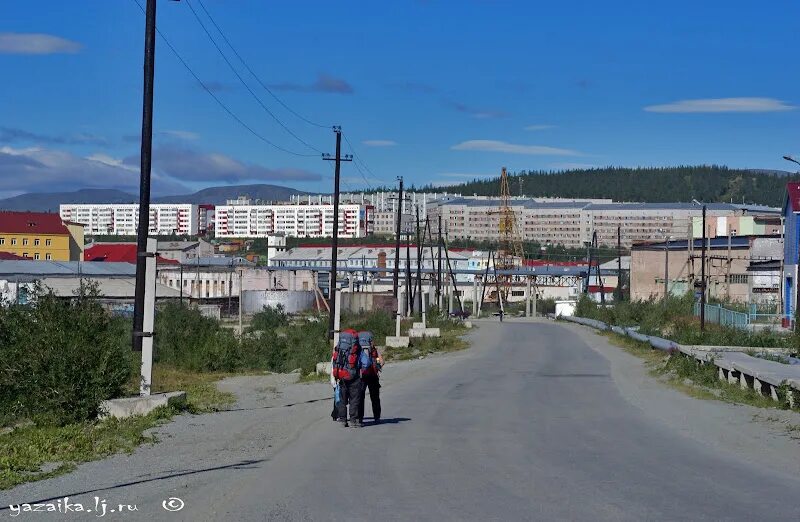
451,340
688,376
31,453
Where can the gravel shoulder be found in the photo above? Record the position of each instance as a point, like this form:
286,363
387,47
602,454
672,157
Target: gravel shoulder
756,435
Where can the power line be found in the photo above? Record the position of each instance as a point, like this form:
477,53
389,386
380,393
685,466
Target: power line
361,161
203,7
219,102
246,86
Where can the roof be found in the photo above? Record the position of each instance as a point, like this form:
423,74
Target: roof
8,256
221,261
682,244
31,223
29,270
176,245
117,253
107,287
793,195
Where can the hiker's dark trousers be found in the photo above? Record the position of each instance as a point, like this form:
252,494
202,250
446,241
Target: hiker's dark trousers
349,396
373,383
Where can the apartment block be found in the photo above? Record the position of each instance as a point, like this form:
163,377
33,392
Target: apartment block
123,219
573,223
290,220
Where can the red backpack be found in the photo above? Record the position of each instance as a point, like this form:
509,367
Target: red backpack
346,356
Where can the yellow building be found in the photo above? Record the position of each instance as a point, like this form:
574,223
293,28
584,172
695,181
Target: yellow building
40,236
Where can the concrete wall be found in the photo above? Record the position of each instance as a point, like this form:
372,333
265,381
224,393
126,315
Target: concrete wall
358,302
255,300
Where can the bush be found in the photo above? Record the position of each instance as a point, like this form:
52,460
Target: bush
269,319
184,338
60,358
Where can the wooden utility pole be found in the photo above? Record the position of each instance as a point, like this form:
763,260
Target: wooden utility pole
144,174
619,264
396,275
419,260
703,276
439,262
335,244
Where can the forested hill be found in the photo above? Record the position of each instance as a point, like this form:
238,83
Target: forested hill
704,183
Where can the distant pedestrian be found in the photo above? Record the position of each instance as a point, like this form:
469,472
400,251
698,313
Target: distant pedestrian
371,364
345,372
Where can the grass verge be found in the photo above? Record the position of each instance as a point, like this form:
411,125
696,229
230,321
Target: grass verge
451,340
685,374
29,453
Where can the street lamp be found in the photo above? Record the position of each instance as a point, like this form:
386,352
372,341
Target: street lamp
789,158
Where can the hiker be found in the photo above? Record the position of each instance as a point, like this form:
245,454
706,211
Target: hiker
345,373
371,364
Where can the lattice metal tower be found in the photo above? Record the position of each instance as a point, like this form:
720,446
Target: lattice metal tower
510,254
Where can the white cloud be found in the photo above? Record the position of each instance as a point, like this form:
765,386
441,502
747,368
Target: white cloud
512,148
181,134
36,43
105,159
539,127
379,143
723,105
572,166
465,176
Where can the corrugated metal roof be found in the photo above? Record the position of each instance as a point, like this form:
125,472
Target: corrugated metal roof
124,288
65,268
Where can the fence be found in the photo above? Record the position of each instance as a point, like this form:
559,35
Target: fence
717,314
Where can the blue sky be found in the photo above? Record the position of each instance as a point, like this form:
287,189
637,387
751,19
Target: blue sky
435,91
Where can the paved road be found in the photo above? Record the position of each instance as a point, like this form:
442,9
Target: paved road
530,424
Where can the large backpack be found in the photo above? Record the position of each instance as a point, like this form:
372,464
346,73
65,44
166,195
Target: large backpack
369,354
346,356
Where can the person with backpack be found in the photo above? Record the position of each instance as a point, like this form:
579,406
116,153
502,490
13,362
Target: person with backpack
371,364
346,373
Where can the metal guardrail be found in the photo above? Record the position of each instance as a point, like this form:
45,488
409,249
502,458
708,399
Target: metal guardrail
722,316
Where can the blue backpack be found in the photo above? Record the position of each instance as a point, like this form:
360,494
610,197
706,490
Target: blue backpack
369,354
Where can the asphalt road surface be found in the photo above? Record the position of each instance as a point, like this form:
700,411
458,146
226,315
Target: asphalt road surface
537,421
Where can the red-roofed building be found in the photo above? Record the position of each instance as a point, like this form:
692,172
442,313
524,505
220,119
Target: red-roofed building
119,253
6,256
40,236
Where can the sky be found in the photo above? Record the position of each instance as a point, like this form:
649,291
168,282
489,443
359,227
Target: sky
438,92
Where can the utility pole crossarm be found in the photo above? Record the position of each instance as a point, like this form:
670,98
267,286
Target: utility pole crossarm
338,158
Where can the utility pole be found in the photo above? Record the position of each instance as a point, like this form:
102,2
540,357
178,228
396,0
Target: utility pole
419,260
666,271
396,275
439,264
619,264
703,276
144,174
409,294
332,286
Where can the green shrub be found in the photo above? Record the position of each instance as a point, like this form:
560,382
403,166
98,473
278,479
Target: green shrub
59,358
269,319
184,338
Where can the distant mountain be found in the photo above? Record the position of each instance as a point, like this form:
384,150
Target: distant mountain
49,201
219,195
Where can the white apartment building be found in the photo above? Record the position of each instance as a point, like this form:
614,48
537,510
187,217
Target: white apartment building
290,220
123,219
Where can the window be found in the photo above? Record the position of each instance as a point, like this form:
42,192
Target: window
736,279
48,242
48,257
2,241
13,241
36,255
25,241
36,242
25,254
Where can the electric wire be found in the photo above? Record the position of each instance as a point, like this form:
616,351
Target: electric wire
244,83
250,70
216,98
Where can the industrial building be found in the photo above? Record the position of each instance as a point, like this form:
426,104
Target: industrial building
40,236
123,220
